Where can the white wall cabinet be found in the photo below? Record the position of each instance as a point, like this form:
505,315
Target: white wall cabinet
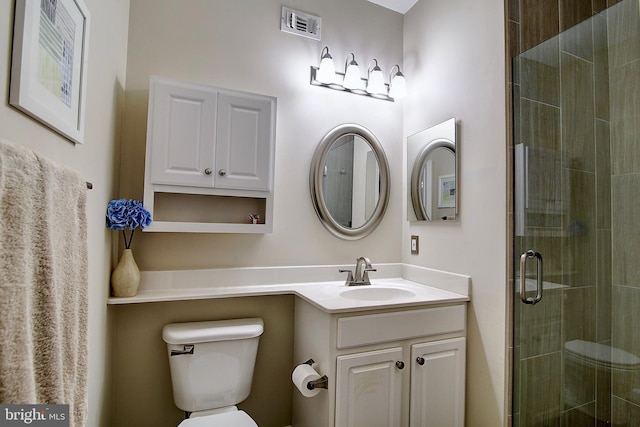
394,368
211,142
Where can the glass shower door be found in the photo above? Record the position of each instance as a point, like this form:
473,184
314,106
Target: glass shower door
576,248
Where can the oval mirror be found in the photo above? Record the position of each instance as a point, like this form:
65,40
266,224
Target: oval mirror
349,181
432,174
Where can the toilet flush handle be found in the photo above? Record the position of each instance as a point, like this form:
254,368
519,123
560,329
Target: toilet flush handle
187,349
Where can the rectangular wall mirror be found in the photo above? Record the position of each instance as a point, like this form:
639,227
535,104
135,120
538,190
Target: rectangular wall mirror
432,174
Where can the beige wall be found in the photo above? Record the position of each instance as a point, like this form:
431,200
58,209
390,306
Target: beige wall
97,160
239,45
455,56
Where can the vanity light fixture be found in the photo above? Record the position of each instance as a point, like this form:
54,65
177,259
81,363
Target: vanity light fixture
351,81
397,84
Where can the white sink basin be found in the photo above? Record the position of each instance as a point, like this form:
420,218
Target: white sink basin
376,293
335,297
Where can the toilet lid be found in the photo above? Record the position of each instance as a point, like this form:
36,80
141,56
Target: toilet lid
225,419
603,354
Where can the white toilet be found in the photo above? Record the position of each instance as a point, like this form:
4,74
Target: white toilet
212,369
608,361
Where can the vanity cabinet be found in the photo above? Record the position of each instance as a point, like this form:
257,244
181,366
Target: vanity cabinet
386,368
210,158
369,386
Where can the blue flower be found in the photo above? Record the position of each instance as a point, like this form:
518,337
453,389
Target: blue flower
127,214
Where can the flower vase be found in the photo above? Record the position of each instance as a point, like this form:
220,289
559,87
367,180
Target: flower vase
125,278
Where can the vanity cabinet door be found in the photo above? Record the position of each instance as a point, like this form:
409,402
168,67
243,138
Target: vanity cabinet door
244,150
182,132
437,384
369,389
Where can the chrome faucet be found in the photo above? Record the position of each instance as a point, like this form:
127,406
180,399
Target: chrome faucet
361,275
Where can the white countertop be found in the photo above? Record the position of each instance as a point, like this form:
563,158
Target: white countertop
324,295
434,287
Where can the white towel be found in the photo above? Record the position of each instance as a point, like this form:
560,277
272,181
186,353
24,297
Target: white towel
43,282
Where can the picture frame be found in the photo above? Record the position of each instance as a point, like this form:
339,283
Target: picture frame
447,191
49,64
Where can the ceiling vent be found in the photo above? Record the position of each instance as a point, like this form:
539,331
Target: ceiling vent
300,23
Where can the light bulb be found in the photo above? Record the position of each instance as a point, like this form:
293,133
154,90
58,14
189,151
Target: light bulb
375,85
398,86
327,71
352,76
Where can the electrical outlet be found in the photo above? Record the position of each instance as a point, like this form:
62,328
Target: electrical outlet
415,248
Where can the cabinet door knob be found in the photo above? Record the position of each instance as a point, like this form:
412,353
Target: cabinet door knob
222,172
420,360
207,171
400,364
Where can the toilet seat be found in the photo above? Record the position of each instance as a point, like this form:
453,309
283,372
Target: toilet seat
225,419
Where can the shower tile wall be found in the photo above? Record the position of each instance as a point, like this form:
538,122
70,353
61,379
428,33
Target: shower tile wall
564,109
624,59
539,20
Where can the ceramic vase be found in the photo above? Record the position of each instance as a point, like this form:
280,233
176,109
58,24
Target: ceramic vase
125,278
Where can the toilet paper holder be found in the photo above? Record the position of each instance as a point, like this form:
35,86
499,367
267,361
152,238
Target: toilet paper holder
322,382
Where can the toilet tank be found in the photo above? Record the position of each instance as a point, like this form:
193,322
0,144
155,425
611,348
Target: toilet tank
212,363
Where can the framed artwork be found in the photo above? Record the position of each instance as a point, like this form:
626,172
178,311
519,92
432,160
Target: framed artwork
447,191
49,63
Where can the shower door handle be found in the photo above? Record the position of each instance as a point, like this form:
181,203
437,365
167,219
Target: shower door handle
523,279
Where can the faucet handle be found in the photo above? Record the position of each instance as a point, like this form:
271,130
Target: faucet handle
365,274
349,275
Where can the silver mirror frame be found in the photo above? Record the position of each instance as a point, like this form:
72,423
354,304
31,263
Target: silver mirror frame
317,193
416,173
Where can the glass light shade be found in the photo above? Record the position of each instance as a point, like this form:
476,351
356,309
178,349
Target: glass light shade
352,76
376,86
398,87
327,72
